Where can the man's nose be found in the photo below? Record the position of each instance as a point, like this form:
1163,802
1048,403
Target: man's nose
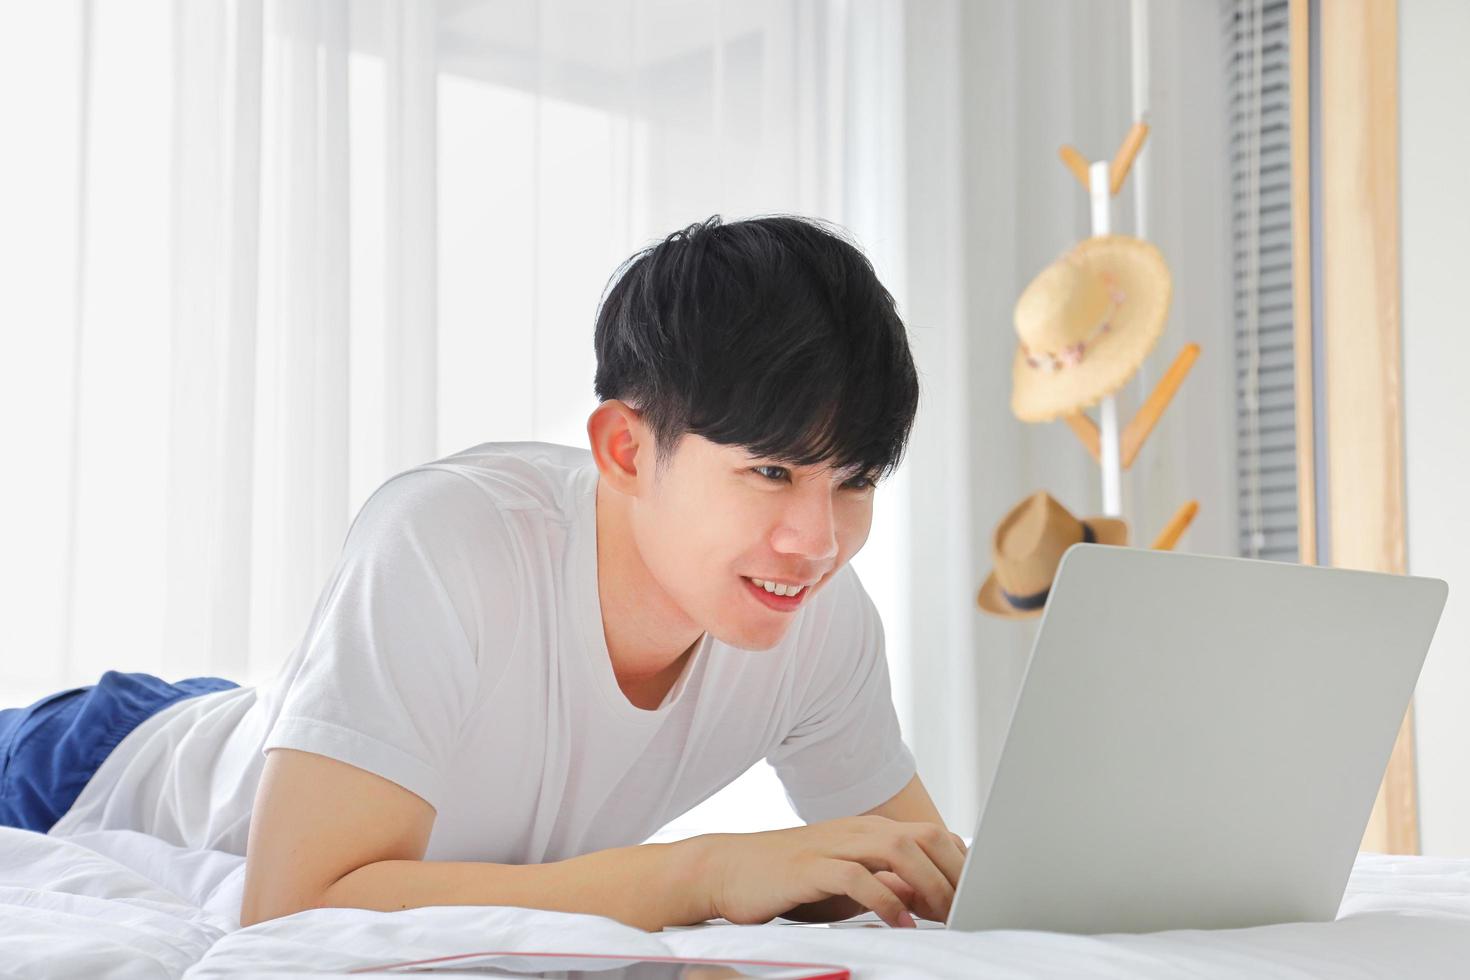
809,526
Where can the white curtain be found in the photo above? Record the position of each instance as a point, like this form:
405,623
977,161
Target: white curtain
262,254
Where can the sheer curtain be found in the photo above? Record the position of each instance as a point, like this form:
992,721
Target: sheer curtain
260,256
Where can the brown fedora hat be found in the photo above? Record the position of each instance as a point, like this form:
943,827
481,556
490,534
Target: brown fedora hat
1027,547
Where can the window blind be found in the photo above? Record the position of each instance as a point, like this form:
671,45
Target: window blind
1259,116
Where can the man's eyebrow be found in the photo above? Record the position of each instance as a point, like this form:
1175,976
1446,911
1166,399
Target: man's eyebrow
854,470
847,472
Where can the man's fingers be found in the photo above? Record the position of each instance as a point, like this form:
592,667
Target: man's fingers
926,855
901,888
854,880
940,846
895,849
910,897
917,867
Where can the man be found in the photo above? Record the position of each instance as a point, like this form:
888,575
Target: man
531,657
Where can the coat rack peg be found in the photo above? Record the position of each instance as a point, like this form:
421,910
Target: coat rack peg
1076,163
1172,531
1148,415
1138,429
1123,159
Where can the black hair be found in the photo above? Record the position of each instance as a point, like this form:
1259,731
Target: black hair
771,333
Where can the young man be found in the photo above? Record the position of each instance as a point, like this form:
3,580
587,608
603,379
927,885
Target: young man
531,657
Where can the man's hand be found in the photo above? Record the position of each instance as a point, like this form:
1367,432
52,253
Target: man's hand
834,869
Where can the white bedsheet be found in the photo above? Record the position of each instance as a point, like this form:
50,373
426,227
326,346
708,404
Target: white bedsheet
117,904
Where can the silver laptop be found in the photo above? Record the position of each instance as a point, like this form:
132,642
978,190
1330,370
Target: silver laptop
1198,743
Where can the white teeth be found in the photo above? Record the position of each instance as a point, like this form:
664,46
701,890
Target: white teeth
776,589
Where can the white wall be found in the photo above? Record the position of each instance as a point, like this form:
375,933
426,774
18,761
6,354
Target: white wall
1434,137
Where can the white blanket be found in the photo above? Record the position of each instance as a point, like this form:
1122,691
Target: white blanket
122,904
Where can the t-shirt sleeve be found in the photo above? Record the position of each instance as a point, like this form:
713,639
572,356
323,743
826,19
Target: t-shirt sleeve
391,663
846,754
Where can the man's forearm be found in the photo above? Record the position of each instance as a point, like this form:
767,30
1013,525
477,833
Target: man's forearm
647,885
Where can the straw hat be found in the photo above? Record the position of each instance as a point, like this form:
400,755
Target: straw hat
1027,548
1085,324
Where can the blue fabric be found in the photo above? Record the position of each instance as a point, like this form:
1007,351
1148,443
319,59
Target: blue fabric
53,747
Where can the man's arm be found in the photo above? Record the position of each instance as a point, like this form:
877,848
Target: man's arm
912,803
327,834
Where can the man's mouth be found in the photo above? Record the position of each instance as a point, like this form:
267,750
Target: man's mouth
781,596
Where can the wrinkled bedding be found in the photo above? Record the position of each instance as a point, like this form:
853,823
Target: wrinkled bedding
115,904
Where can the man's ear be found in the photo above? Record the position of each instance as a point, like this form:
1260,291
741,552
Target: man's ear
616,432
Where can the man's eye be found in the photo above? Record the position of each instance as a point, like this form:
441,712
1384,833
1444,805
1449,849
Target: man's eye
859,483
766,471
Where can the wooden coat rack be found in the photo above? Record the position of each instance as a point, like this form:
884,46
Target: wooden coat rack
1103,180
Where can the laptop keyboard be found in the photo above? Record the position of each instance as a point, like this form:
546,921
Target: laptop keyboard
868,920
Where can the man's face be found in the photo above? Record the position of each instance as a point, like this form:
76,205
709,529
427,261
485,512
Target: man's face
718,520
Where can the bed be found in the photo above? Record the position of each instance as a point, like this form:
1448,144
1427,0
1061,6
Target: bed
115,904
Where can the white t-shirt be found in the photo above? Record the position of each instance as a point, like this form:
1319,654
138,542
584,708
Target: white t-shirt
458,650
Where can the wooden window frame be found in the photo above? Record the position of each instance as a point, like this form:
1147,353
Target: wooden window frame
1356,379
